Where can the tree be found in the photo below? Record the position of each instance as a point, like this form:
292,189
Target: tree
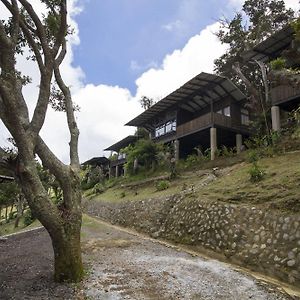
146,102
257,20
46,38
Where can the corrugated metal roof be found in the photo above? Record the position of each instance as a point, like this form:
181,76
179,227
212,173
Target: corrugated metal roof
122,144
194,95
97,161
271,47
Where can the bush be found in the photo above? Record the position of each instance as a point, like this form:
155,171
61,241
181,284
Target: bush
278,64
253,156
99,188
29,218
256,173
162,185
12,215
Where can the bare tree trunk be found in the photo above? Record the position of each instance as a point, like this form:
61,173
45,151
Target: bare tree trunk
6,214
19,210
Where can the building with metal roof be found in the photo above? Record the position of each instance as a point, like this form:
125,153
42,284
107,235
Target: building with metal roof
190,116
285,97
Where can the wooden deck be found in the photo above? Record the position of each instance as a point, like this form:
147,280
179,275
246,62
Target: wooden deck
207,121
284,93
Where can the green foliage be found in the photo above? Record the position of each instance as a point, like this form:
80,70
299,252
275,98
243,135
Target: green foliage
227,152
29,218
122,195
99,188
93,176
256,173
145,151
253,156
162,185
278,64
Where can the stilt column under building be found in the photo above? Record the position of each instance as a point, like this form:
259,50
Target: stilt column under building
275,112
213,142
176,149
117,171
239,142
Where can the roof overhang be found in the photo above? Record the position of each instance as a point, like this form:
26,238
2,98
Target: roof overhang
122,143
96,161
271,47
193,96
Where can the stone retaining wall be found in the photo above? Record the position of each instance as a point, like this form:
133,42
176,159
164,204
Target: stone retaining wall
258,238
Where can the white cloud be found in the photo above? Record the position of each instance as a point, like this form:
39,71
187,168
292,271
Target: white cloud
181,65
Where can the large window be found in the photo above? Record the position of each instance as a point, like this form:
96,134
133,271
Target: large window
165,128
224,111
245,120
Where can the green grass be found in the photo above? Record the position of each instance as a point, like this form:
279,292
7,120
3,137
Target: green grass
279,188
9,228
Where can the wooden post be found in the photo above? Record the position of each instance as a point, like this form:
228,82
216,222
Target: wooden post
213,143
275,112
239,141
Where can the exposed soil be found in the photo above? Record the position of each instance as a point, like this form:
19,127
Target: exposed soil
121,265
26,268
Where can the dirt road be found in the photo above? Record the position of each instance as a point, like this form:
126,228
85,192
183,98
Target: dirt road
126,266
121,265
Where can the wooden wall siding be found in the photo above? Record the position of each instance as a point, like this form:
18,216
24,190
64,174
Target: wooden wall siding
208,120
284,93
194,125
117,162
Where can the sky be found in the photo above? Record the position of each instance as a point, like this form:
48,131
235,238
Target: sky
122,50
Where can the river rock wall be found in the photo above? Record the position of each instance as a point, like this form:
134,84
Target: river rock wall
258,238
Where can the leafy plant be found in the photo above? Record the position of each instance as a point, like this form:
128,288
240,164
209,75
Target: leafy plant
256,173
162,185
29,218
99,188
278,64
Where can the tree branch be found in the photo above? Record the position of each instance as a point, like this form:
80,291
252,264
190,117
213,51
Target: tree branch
41,33
63,27
74,131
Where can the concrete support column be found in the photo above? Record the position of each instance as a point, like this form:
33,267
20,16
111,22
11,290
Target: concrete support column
176,149
239,142
117,171
275,112
135,165
213,142
109,173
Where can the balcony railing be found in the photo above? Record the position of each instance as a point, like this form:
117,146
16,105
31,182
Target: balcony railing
206,121
284,93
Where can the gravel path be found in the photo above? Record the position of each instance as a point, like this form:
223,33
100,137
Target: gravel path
121,266
126,266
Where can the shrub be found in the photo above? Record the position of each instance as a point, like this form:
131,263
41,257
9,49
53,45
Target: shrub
29,218
253,156
256,173
162,185
99,188
122,195
278,64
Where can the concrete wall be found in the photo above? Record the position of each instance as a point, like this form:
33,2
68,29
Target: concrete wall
258,238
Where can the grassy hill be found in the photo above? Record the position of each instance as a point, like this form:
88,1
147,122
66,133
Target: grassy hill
230,183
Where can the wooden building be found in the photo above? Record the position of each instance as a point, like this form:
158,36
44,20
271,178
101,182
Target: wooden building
117,165
284,96
207,112
102,162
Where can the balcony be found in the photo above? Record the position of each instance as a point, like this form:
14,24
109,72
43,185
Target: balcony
284,93
207,121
